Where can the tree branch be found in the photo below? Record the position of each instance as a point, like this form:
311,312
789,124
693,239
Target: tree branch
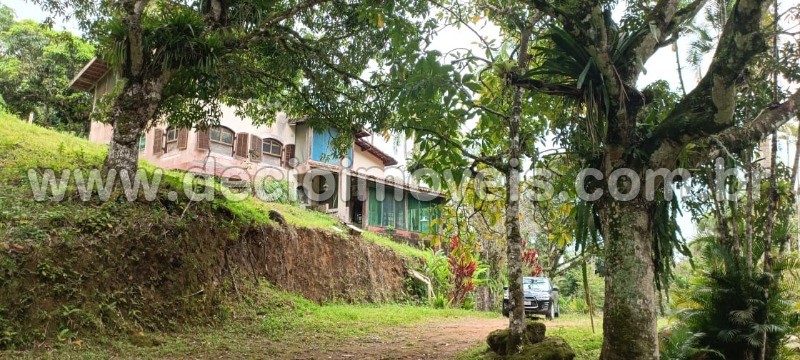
769,120
543,87
493,161
710,107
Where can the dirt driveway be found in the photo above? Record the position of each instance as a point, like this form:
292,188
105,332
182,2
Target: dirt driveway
431,340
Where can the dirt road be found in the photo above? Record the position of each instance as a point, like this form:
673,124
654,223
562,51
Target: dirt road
432,340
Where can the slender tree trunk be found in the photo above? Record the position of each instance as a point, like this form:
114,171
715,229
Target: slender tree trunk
750,208
516,294
133,109
772,206
629,317
794,181
589,304
769,231
680,68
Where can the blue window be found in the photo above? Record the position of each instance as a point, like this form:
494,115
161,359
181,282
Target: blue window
321,149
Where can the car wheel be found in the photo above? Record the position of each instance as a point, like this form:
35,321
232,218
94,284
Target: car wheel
551,313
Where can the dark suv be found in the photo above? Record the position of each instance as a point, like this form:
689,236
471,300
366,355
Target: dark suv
541,297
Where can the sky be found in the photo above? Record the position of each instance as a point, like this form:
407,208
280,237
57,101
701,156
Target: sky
661,66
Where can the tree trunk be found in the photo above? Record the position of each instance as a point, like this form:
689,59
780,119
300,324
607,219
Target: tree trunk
132,111
769,230
794,181
516,317
629,317
750,208
589,304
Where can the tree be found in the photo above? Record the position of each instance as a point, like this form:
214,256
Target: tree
614,56
436,104
592,63
36,66
7,16
181,60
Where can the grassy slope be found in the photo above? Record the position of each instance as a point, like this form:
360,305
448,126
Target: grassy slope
24,146
34,234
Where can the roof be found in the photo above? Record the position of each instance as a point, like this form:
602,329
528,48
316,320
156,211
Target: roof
384,157
88,77
403,185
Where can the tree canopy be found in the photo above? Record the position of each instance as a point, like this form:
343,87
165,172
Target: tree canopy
36,66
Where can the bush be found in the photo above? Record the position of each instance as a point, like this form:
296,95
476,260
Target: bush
277,191
725,314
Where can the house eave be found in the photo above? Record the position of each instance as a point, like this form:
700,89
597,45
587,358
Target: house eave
90,75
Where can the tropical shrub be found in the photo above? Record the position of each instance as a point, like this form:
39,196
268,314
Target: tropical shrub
725,310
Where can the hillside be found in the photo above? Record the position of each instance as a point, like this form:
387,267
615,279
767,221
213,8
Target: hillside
71,268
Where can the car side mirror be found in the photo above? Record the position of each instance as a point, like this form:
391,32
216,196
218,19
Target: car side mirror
555,288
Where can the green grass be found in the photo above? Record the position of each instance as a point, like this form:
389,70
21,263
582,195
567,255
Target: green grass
404,250
258,211
575,329
269,323
344,320
52,254
24,146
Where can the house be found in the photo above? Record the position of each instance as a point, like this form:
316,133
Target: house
364,188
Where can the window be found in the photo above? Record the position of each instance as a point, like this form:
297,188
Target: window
142,143
172,134
387,212
420,214
272,147
221,135
221,140
172,139
322,150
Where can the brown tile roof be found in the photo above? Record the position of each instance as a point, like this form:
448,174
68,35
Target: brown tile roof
384,157
88,77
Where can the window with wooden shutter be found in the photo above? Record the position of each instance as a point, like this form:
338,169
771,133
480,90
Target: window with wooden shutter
288,155
241,145
255,148
183,138
203,140
158,142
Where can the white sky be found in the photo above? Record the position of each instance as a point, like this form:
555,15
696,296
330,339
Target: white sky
661,66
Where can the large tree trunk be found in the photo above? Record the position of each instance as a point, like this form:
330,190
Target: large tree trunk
133,109
629,317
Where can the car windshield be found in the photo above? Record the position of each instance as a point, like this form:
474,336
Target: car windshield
535,284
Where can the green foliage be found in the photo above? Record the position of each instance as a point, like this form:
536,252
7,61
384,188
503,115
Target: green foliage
572,297
305,58
36,67
436,267
724,312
